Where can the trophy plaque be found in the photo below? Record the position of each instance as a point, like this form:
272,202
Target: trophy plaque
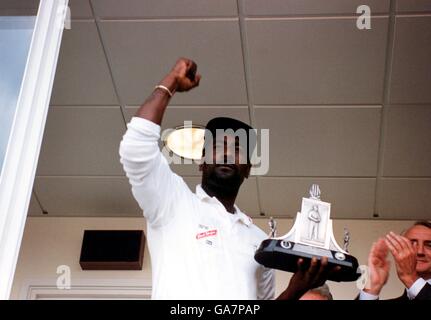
310,236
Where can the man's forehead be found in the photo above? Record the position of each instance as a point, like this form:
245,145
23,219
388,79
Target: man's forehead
418,232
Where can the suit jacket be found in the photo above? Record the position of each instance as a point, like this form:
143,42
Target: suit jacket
424,294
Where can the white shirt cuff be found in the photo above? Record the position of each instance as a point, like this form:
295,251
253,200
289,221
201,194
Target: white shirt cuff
367,296
414,290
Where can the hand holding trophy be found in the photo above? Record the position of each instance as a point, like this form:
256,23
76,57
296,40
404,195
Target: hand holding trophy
311,236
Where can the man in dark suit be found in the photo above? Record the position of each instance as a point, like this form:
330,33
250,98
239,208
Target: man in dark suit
412,256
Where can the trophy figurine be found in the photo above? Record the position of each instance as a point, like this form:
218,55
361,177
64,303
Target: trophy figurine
310,236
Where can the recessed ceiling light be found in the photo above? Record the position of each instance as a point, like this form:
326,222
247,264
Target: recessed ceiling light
186,142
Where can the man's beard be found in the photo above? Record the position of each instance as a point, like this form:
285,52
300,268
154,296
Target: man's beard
224,186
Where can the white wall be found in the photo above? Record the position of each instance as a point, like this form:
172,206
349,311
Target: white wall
52,241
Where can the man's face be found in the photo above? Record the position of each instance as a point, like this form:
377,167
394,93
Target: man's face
420,237
229,165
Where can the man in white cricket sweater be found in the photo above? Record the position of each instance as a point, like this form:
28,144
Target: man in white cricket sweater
201,244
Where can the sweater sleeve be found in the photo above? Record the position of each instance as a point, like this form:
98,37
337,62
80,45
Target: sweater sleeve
154,185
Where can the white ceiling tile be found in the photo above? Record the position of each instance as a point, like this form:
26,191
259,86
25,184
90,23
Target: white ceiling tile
407,144
411,66
175,116
247,199
404,199
80,9
297,7
316,61
413,5
316,141
18,7
141,53
82,76
350,198
82,141
163,8
34,208
86,196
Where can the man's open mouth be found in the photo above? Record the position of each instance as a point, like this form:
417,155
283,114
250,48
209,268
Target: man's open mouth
227,167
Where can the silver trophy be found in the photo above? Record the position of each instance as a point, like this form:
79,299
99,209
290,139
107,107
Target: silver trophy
311,236
272,227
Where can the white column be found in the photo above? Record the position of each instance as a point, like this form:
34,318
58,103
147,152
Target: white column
26,135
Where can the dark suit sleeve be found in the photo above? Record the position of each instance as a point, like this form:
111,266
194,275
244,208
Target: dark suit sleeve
425,293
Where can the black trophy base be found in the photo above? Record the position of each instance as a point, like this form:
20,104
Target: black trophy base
284,255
